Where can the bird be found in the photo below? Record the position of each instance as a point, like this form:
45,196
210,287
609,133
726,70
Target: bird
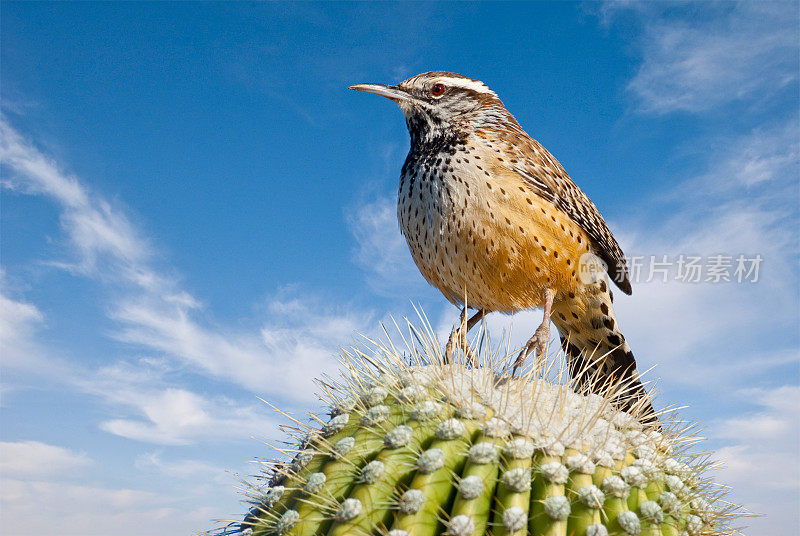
496,224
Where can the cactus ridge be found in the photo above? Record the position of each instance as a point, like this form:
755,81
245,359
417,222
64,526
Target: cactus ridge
415,446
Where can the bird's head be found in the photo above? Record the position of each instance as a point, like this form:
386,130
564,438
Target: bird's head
437,102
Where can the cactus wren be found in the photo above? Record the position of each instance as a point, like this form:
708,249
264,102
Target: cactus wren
494,221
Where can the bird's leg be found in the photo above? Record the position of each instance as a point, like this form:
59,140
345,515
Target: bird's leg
458,337
540,337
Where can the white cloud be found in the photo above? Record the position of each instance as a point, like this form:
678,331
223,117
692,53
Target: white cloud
18,322
382,250
34,459
38,492
150,407
760,165
177,416
298,336
192,470
97,230
165,414
763,157
760,458
697,58
39,174
42,507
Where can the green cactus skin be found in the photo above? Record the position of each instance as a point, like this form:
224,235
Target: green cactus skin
442,449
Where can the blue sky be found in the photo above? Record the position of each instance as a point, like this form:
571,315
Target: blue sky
196,212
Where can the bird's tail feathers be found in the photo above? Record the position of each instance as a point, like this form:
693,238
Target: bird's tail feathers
599,359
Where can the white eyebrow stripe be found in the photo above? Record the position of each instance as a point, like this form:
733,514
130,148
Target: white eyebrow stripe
466,83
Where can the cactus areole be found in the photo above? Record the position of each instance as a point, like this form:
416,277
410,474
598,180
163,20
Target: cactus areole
415,446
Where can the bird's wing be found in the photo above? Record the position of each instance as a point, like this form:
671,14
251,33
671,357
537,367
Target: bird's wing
544,175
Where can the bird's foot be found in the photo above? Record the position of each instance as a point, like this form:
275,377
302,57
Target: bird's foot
536,343
458,339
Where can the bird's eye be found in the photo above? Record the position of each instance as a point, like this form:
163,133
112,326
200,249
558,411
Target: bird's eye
437,90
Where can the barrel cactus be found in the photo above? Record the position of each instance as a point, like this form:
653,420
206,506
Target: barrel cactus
416,446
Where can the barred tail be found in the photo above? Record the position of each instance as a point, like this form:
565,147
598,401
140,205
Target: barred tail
597,354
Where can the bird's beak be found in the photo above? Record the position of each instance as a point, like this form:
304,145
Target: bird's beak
390,92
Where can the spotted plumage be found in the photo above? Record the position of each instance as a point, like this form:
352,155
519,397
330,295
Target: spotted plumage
491,217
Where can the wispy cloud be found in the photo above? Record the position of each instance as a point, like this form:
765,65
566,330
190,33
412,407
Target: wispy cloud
760,459
37,507
178,416
696,59
18,321
163,413
34,459
381,248
767,157
152,311
97,230
159,410
297,337
44,486
182,469
23,353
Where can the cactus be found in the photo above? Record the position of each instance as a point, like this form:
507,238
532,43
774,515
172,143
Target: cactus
416,446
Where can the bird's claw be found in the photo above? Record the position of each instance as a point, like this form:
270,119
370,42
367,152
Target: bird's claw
458,339
537,343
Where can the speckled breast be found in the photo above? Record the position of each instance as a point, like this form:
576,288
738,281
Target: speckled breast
477,233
